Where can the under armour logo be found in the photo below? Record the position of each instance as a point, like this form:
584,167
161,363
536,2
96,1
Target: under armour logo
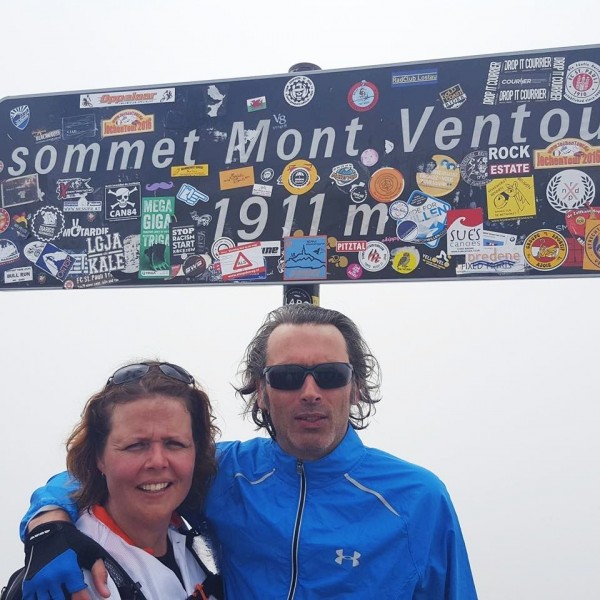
341,557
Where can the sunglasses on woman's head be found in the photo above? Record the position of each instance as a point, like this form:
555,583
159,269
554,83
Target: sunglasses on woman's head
137,371
328,376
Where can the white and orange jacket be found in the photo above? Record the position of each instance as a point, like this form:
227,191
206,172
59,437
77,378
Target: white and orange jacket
156,580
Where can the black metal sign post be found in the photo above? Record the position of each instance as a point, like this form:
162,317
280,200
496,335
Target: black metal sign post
302,293
478,167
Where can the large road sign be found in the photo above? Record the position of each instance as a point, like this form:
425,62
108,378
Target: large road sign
467,168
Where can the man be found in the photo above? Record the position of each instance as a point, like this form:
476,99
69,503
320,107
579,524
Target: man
312,513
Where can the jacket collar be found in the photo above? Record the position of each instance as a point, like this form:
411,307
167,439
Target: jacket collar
320,472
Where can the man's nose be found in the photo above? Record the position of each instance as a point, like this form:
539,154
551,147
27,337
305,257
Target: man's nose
310,390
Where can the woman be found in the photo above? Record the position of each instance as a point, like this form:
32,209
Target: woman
145,446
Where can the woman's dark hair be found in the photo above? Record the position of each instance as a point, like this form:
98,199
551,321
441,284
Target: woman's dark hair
366,367
88,439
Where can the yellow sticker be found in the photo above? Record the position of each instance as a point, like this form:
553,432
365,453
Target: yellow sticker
405,260
591,257
189,171
545,249
299,176
568,152
126,122
236,178
510,198
439,176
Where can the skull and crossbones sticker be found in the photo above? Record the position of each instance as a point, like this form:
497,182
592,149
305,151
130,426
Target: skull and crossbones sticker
122,196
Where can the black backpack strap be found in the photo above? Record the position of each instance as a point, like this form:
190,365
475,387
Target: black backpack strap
128,588
213,584
13,589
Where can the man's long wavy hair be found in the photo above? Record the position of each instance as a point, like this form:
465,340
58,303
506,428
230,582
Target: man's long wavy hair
366,367
88,439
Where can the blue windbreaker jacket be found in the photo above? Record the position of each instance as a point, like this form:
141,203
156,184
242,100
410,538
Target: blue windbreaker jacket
358,523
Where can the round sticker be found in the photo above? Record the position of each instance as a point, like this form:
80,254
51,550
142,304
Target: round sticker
223,243
570,189
299,176
439,176
4,220
545,249
398,210
386,184
358,192
407,231
33,250
194,266
354,271
363,96
375,257
474,168
48,223
592,246
582,82
369,157
267,174
405,260
299,91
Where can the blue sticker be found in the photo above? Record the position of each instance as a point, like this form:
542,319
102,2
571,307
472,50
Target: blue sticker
19,116
190,195
50,259
305,258
414,77
425,221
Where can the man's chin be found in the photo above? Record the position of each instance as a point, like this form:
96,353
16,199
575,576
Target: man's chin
311,446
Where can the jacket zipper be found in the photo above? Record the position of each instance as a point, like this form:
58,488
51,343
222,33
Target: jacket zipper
297,524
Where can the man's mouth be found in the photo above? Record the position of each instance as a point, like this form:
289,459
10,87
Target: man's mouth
310,418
